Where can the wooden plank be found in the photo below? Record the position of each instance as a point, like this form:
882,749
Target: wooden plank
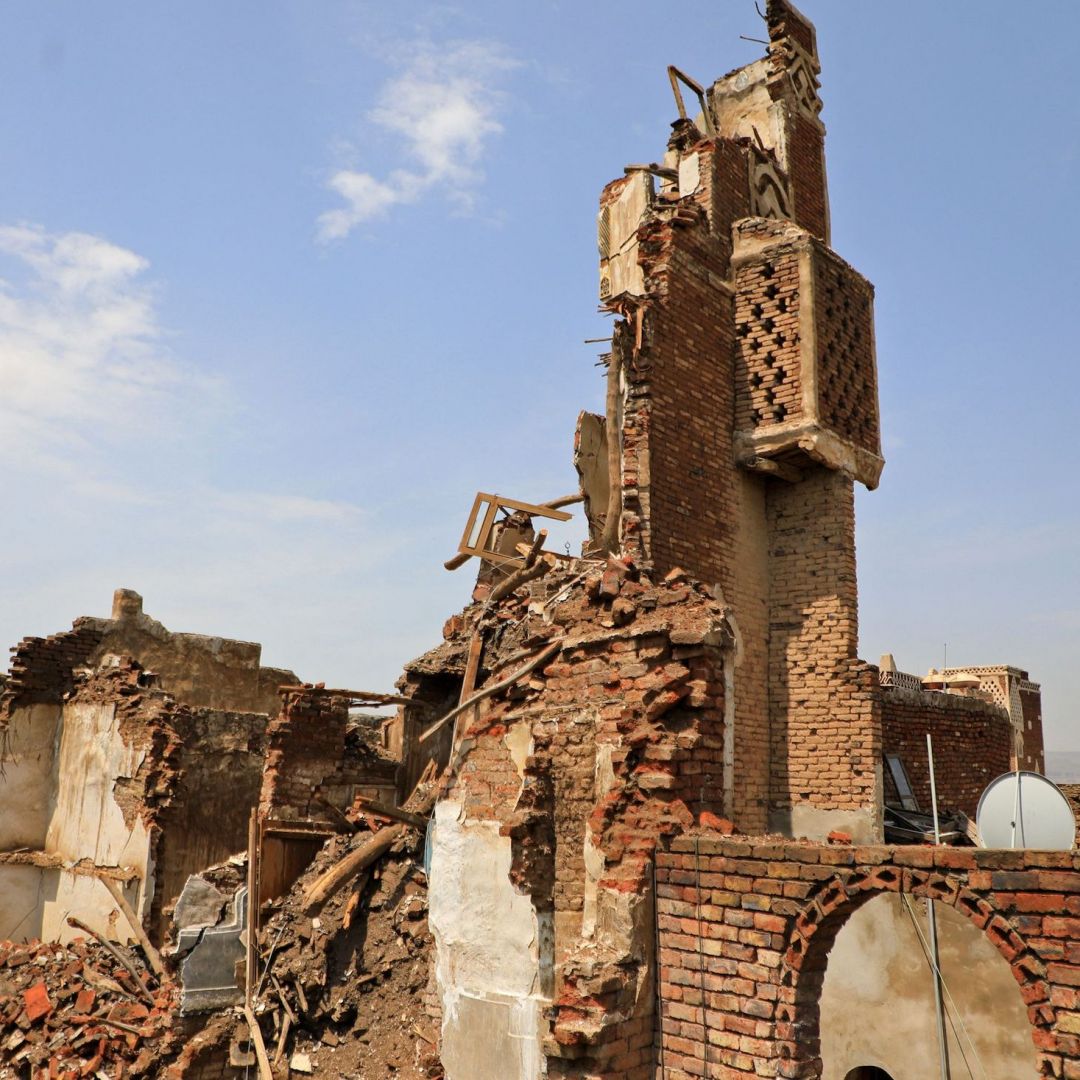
261,1055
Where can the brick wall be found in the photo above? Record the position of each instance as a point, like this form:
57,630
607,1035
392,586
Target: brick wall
806,167
685,502
625,737
41,668
312,759
972,744
826,740
846,369
746,925
793,80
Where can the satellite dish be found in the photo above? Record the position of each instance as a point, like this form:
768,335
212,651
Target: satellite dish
1025,810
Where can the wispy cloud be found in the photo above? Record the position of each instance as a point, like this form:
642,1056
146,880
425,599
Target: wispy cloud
81,346
443,106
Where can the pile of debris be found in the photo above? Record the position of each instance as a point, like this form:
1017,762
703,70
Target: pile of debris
341,984
342,992
81,1009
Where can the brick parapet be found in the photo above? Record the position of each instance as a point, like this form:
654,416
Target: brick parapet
746,926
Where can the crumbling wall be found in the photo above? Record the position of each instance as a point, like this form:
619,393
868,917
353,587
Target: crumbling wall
197,669
42,669
541,846
317,761
131,784
685,503
747,925
219,768
972,744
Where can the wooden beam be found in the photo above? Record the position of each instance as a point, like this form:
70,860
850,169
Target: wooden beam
265,1071
503,684
153,957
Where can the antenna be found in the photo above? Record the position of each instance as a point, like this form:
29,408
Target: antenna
1024,809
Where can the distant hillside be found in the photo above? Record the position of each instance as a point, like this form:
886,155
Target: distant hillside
1063,766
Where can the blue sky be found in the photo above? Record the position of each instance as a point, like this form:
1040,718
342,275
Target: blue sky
284,284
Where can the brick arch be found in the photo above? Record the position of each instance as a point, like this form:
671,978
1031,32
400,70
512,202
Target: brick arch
814,930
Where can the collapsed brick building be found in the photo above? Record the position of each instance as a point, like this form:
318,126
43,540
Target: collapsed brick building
658,775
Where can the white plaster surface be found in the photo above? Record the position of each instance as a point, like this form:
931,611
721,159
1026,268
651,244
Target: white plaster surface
488,946
877,1005
815,823
86,821
22,892
26,785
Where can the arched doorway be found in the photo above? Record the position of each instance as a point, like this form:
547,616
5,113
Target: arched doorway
877,999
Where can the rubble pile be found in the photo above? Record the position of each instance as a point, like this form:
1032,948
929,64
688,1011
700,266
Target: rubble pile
343,986
74,1010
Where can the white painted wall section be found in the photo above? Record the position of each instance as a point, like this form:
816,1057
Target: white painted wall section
488,943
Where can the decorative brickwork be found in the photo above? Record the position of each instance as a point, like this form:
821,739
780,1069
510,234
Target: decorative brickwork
806,373
768,366
746,927
972,744
846,370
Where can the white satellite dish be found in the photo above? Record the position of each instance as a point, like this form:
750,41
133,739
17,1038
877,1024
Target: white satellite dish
1025,810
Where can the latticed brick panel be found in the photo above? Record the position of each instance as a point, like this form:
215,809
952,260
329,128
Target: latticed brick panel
768,365
846,379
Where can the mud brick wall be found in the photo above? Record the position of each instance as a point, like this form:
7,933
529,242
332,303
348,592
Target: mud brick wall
826,735
745,927
846,374
41,668
972,744
768,359
220,771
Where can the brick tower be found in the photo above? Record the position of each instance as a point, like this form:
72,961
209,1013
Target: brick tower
743,385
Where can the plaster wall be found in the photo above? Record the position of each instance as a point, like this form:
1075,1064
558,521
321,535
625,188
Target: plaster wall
26,784
877,1004
488,953
22,892
87,822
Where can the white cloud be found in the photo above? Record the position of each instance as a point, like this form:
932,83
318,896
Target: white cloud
105,437
81,347
444,106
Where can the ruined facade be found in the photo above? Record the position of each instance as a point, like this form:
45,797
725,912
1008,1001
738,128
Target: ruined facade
647,787
129,752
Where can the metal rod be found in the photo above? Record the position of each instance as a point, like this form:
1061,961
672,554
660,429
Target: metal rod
931,919
1016,809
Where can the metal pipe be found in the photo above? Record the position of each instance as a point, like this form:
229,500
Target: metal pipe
931,919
